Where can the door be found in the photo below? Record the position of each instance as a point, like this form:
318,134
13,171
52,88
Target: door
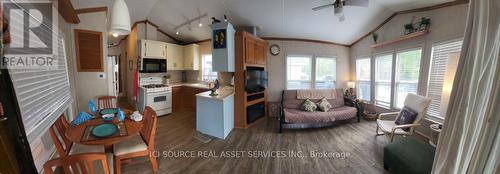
15,151
113,75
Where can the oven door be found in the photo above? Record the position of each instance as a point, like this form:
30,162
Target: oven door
159,100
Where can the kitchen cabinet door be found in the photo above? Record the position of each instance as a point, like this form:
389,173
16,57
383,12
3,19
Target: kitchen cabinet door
191,57
153,49
176,98
175,56
249,51
260,53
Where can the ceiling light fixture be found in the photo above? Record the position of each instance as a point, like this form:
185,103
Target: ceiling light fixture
120,18
177,33
200,25
115,34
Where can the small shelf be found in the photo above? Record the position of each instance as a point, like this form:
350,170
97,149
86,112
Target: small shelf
255,93
402,38
255,101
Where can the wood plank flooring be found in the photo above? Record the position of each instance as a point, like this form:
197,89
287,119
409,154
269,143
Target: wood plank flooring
176,133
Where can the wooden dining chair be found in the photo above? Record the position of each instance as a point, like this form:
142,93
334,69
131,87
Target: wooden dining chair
139,146
106,102
81,164
61,141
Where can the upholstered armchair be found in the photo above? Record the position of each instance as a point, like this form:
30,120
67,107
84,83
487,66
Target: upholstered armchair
415,102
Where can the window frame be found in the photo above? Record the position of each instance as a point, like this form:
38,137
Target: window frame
391,84
396,73
369,80
313,58
203,70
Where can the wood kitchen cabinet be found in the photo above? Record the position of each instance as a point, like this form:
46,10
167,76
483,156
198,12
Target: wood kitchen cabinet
254,50
152,49
175,57
184,97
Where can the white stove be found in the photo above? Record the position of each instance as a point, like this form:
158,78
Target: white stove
156,95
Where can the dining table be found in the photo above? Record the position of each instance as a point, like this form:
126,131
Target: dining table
126,129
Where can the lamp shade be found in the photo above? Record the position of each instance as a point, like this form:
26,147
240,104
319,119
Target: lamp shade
351,84
120,18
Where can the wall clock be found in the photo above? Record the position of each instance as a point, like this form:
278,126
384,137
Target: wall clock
274,49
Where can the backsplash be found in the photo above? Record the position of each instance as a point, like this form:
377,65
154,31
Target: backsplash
192,76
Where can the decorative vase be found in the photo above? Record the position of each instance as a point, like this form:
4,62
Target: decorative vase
121,115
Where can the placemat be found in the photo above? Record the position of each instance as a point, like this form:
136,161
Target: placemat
87,134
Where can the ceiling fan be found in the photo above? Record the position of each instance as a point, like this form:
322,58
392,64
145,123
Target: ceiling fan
338,6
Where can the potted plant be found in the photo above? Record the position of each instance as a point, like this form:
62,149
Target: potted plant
167,79
375,37
409,28
424,23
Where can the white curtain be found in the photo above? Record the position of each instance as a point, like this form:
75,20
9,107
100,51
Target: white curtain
470,140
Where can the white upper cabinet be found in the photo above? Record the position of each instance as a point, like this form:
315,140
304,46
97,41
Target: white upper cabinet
175,57
152,49
191,57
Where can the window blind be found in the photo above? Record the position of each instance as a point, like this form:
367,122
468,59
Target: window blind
42,93
441,74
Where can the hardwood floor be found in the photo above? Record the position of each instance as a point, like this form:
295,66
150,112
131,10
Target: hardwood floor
176,133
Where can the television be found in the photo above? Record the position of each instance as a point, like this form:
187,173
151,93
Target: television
255,81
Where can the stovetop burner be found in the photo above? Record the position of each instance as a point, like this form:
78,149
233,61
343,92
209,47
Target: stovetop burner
154,86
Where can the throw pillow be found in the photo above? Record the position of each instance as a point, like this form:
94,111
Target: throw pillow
324,105
309,106
406,116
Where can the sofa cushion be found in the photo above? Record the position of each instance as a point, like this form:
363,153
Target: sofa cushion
290,99
324,105
309,106
300,116
406,116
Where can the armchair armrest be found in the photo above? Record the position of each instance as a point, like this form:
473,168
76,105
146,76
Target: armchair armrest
381,116
404,126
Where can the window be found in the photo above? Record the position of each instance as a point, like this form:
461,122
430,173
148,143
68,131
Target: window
383,75
325,73
206,68
407,73
444,61
301,74
363,78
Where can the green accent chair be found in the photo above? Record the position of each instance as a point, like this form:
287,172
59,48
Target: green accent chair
409,156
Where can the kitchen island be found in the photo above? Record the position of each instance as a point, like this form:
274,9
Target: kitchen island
215,114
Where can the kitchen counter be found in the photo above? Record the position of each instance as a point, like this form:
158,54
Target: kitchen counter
223,93
201,85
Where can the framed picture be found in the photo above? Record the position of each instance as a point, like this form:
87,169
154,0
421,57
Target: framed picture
219,39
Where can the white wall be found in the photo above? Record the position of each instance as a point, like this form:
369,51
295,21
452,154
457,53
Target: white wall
276,64
87,84
446,24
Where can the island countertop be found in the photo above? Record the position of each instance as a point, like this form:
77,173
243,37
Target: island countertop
223,93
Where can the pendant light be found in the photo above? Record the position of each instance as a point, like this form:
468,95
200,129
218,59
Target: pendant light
120,18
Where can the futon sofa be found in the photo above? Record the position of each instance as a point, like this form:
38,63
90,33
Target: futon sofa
293,117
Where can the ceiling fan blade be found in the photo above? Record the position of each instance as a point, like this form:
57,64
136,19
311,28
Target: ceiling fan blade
361,3
322,7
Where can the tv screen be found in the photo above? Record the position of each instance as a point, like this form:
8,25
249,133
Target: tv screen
255,80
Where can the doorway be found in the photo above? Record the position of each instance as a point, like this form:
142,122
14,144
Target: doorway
114,75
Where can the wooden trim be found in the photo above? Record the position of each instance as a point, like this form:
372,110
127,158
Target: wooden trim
434,7
77,46
303,40
402,38
91,10
67,11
